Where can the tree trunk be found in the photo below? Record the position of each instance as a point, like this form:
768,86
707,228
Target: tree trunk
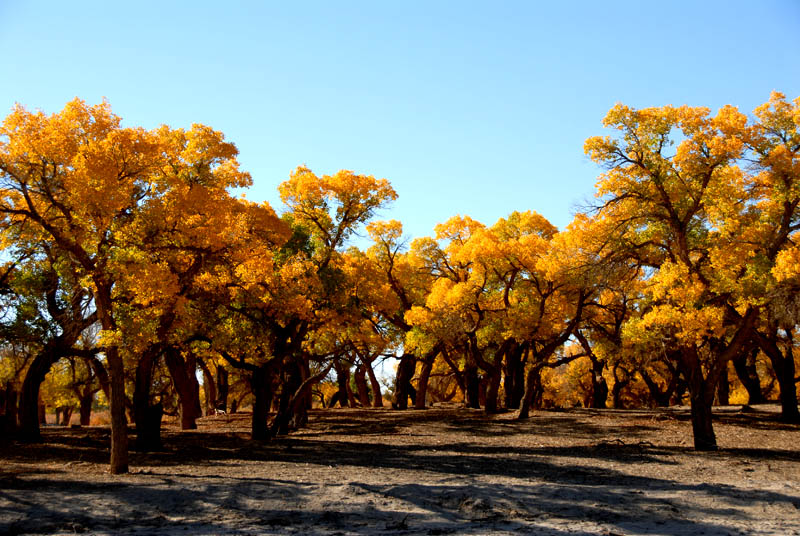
532,385
285,416
599,385
116,372
745,367
86,408
377,395
424,378
343,395
702,425
403,388
599,390
146,416
785,371
514,384
492,390
209,388
700,400
183,373
361,384
784,368
66,415
119,423
261,384
222,388
619,385
473,385
29,415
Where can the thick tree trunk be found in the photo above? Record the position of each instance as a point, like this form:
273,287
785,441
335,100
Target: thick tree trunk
784,368
619,384
599,390
377,395
361,384
700,400
185,381
222,388
29,415
786,381
343,395
599,385
745,367
116,372
403,388
420,401
702,425
66,415
514,384
146,416
285,416
86,408
473,385
492,390
532,385
119,424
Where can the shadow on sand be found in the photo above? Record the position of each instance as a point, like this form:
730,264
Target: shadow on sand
468,488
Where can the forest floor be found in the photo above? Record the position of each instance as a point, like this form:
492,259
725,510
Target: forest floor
435,471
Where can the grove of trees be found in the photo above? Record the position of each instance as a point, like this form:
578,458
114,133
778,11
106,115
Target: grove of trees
129,270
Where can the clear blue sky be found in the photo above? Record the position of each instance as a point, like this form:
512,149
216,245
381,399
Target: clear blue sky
475,108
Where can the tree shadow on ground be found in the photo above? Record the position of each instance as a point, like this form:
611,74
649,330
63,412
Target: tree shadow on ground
469,487
462,500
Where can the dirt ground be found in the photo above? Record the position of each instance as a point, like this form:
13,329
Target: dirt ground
438,471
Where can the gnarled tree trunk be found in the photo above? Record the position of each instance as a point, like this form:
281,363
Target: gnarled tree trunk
745,367
403,388
472,383
784,368
185,381
377,395
700,401
514,384
29,414
361,384
420,400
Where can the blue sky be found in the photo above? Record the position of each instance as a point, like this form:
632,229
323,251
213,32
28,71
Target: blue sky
475,108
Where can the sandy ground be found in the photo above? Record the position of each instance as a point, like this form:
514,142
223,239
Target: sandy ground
439,471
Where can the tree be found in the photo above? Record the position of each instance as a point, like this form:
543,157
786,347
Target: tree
79,182
666,212
772,230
